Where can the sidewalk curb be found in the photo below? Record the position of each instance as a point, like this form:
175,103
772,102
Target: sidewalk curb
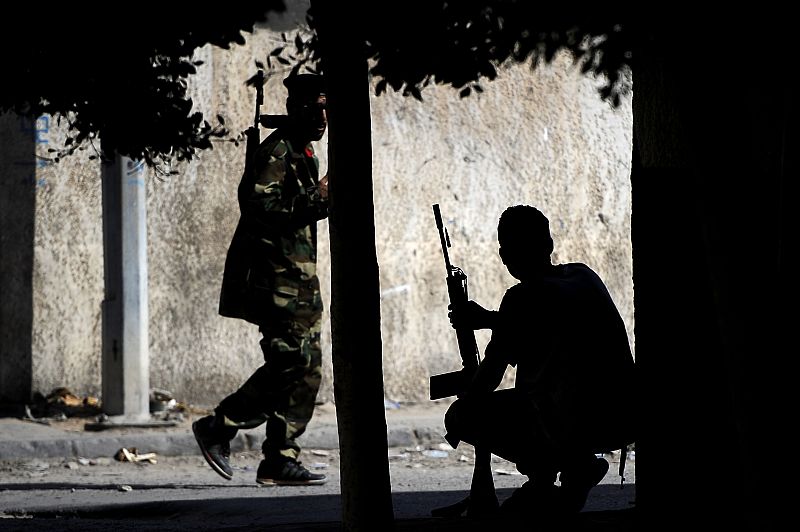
17,443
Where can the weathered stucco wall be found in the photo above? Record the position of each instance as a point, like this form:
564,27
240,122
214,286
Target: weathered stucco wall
542,138
67,276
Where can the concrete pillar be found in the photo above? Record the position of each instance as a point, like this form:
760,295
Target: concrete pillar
125,357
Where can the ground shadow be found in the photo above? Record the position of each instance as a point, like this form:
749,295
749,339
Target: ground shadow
319,513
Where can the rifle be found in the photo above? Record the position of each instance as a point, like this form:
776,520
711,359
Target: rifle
454,383
252,139
482,499
254,133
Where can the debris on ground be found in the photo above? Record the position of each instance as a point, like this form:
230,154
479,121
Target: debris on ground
161,400
507,472
60,404
132,455
388,404
41,420
435,453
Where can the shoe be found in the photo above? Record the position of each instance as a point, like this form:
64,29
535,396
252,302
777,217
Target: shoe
216,450
575,487
287,472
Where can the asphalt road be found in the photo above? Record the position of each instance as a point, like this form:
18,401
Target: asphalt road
183,493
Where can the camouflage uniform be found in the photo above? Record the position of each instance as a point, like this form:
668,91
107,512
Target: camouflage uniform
270,280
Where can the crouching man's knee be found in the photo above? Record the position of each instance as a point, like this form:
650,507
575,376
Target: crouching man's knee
451,417
457,422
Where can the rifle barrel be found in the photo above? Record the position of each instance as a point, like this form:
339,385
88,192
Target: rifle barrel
444,240
259,97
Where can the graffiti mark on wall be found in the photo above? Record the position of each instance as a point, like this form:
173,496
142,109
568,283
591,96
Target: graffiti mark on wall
40,130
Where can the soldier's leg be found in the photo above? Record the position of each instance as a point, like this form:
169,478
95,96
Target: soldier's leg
289,420
266,391
247,407
504,421
582,470
487,424
506,424
296,381
300,409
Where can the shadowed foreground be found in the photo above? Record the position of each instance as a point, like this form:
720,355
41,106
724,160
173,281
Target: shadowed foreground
281,514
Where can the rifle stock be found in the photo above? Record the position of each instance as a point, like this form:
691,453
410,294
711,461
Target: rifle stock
450,384
455,382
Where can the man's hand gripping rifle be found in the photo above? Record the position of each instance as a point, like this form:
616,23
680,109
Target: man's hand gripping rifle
454,383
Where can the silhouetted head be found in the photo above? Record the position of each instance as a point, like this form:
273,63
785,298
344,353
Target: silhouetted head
525,242
306,105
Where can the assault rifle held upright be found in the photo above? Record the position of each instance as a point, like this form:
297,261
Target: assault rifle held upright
482,497
454,383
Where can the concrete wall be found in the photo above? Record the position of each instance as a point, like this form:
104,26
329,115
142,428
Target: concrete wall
51,313
542,138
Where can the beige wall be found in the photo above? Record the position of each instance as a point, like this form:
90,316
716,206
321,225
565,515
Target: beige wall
66,286
542,138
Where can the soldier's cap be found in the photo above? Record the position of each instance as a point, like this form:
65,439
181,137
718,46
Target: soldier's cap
305,86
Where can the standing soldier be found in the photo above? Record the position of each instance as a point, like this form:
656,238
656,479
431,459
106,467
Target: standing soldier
270,280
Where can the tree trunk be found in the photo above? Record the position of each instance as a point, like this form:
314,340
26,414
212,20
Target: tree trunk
355,297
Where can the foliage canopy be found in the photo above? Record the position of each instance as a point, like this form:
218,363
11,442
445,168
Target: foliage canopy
120,82
119,79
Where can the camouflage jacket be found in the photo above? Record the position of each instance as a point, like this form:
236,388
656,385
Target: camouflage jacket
270,268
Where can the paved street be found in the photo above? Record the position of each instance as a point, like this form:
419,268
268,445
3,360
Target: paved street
57,474
181,492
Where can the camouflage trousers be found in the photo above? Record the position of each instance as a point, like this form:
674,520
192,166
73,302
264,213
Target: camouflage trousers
283,391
